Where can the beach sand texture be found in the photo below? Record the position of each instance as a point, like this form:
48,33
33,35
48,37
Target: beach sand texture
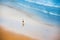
6,35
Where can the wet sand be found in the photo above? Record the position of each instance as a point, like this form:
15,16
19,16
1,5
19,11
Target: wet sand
6,35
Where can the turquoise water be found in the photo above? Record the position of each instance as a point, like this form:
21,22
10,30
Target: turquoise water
48,11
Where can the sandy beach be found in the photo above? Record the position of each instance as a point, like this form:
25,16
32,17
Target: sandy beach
6,35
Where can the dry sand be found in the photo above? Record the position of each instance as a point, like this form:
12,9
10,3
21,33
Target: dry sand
6,35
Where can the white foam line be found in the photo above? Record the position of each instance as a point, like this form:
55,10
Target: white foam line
38,9
54,14
48,4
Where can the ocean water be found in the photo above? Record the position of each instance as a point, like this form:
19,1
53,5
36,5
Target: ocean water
48,12
42,18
